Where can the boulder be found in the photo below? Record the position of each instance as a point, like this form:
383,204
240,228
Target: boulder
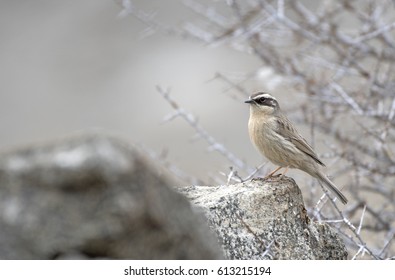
91,197
265,219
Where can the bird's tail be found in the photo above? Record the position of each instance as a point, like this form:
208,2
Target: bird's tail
331,186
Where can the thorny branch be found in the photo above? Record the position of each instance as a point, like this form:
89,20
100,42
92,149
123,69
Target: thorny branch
339,57
214,145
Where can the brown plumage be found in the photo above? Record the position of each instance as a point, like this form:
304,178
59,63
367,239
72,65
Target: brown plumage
278,140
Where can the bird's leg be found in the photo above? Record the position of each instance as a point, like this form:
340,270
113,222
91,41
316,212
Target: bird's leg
273,172
286,170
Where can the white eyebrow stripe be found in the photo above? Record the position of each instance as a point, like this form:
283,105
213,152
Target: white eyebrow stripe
265,95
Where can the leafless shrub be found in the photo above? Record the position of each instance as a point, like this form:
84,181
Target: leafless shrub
338,57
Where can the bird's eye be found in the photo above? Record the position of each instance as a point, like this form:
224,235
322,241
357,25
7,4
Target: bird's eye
261,100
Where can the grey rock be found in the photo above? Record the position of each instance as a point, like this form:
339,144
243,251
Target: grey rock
95,197
261,219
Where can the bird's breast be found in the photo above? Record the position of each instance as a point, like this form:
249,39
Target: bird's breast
263,135
269,143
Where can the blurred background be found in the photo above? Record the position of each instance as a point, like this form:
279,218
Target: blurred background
69,66
74,66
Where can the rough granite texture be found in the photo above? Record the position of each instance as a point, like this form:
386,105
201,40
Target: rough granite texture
250,216
93,197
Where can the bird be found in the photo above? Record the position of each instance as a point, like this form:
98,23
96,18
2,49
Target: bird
274,136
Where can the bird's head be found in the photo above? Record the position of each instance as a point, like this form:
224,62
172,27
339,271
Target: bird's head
263,103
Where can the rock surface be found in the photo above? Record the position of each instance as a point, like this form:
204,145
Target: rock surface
265,220
95,197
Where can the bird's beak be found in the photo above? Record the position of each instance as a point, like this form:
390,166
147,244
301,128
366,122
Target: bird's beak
249,101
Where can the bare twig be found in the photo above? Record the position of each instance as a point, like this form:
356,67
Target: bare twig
214,145
339,56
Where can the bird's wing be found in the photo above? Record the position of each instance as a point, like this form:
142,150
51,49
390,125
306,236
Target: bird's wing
286,130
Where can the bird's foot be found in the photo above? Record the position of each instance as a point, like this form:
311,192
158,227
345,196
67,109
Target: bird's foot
257,179
271,174
273,178
279,176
